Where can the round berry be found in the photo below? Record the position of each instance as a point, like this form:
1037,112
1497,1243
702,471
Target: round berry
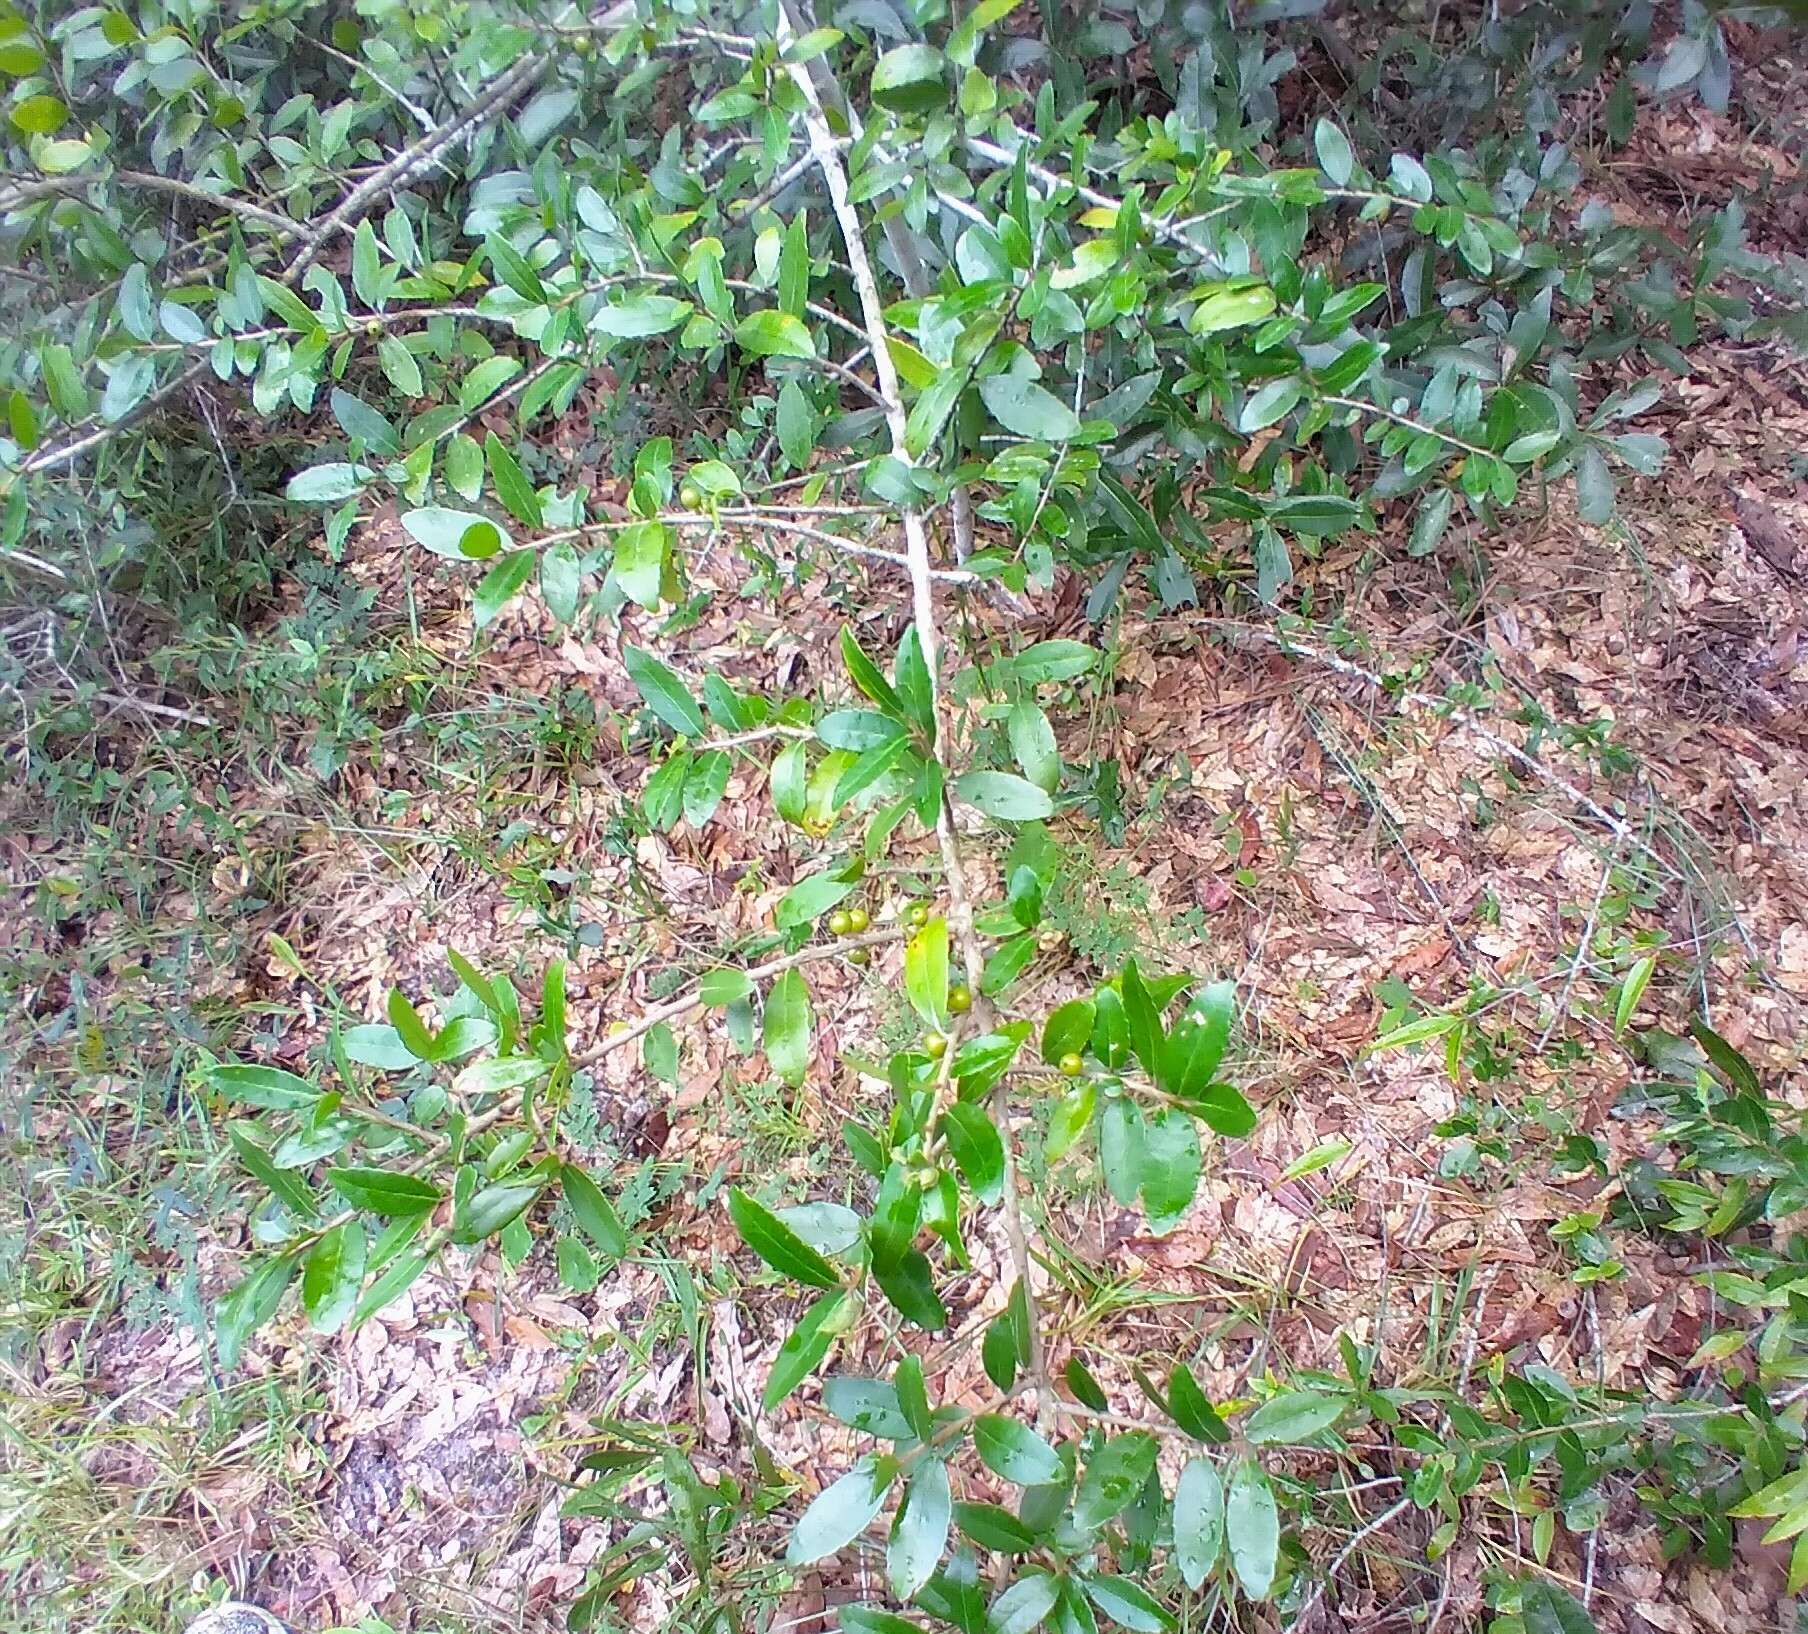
860,956
936,1045
839,923
917,916
960,999
1071,1065
690,496
858,920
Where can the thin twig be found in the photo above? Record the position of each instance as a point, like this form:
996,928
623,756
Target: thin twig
693,1000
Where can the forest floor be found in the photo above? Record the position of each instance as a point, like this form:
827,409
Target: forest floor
1284,814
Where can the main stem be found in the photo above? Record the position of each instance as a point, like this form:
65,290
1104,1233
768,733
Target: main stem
922,578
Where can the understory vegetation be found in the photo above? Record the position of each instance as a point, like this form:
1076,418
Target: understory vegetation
912,817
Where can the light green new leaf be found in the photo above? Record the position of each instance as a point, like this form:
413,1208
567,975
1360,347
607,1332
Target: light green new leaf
926,973
771,333
332,1275
1033,743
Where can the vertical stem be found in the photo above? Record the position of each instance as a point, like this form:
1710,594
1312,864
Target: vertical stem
922,579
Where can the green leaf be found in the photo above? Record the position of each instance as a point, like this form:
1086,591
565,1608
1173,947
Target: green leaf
1143,1018
665,694
869,678
593,1211
515,270
505,581
794,264
840,1513
641,553
484,381
512,487
870,1619
1196,1046
561,580
1231,307
286,1184
491,1209
813,896
1029,410
771,333
1272,402
1170,1167
908,79
1024,1604
787,1028
462,467
1252,1528
1189,1407
367,267
1004,795
926,973
1012,1449
1632,989
1733,1066
640,315
399,366
1292,1419
1115,1476
1127,1605
858,729
328,484
1121,1132
806,1345
1198,1521
249,1306
777,1244
363,424
994,1528
40,115
720,988
977,1147
909,1284
919,1532
1546,1608
451,533
1033,743
868,1405
331,1276
796,425
383,1192
790,782
1336,159
267,1087
1068,1030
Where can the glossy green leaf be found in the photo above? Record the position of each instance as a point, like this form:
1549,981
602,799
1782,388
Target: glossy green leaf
1004,795
1029,410
926,973
1197,1043
1128,1605
977,1147
909,1285
771,333
1023,1605
777,1244
593,1211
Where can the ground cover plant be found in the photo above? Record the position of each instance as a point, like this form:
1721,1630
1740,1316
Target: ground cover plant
943,817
